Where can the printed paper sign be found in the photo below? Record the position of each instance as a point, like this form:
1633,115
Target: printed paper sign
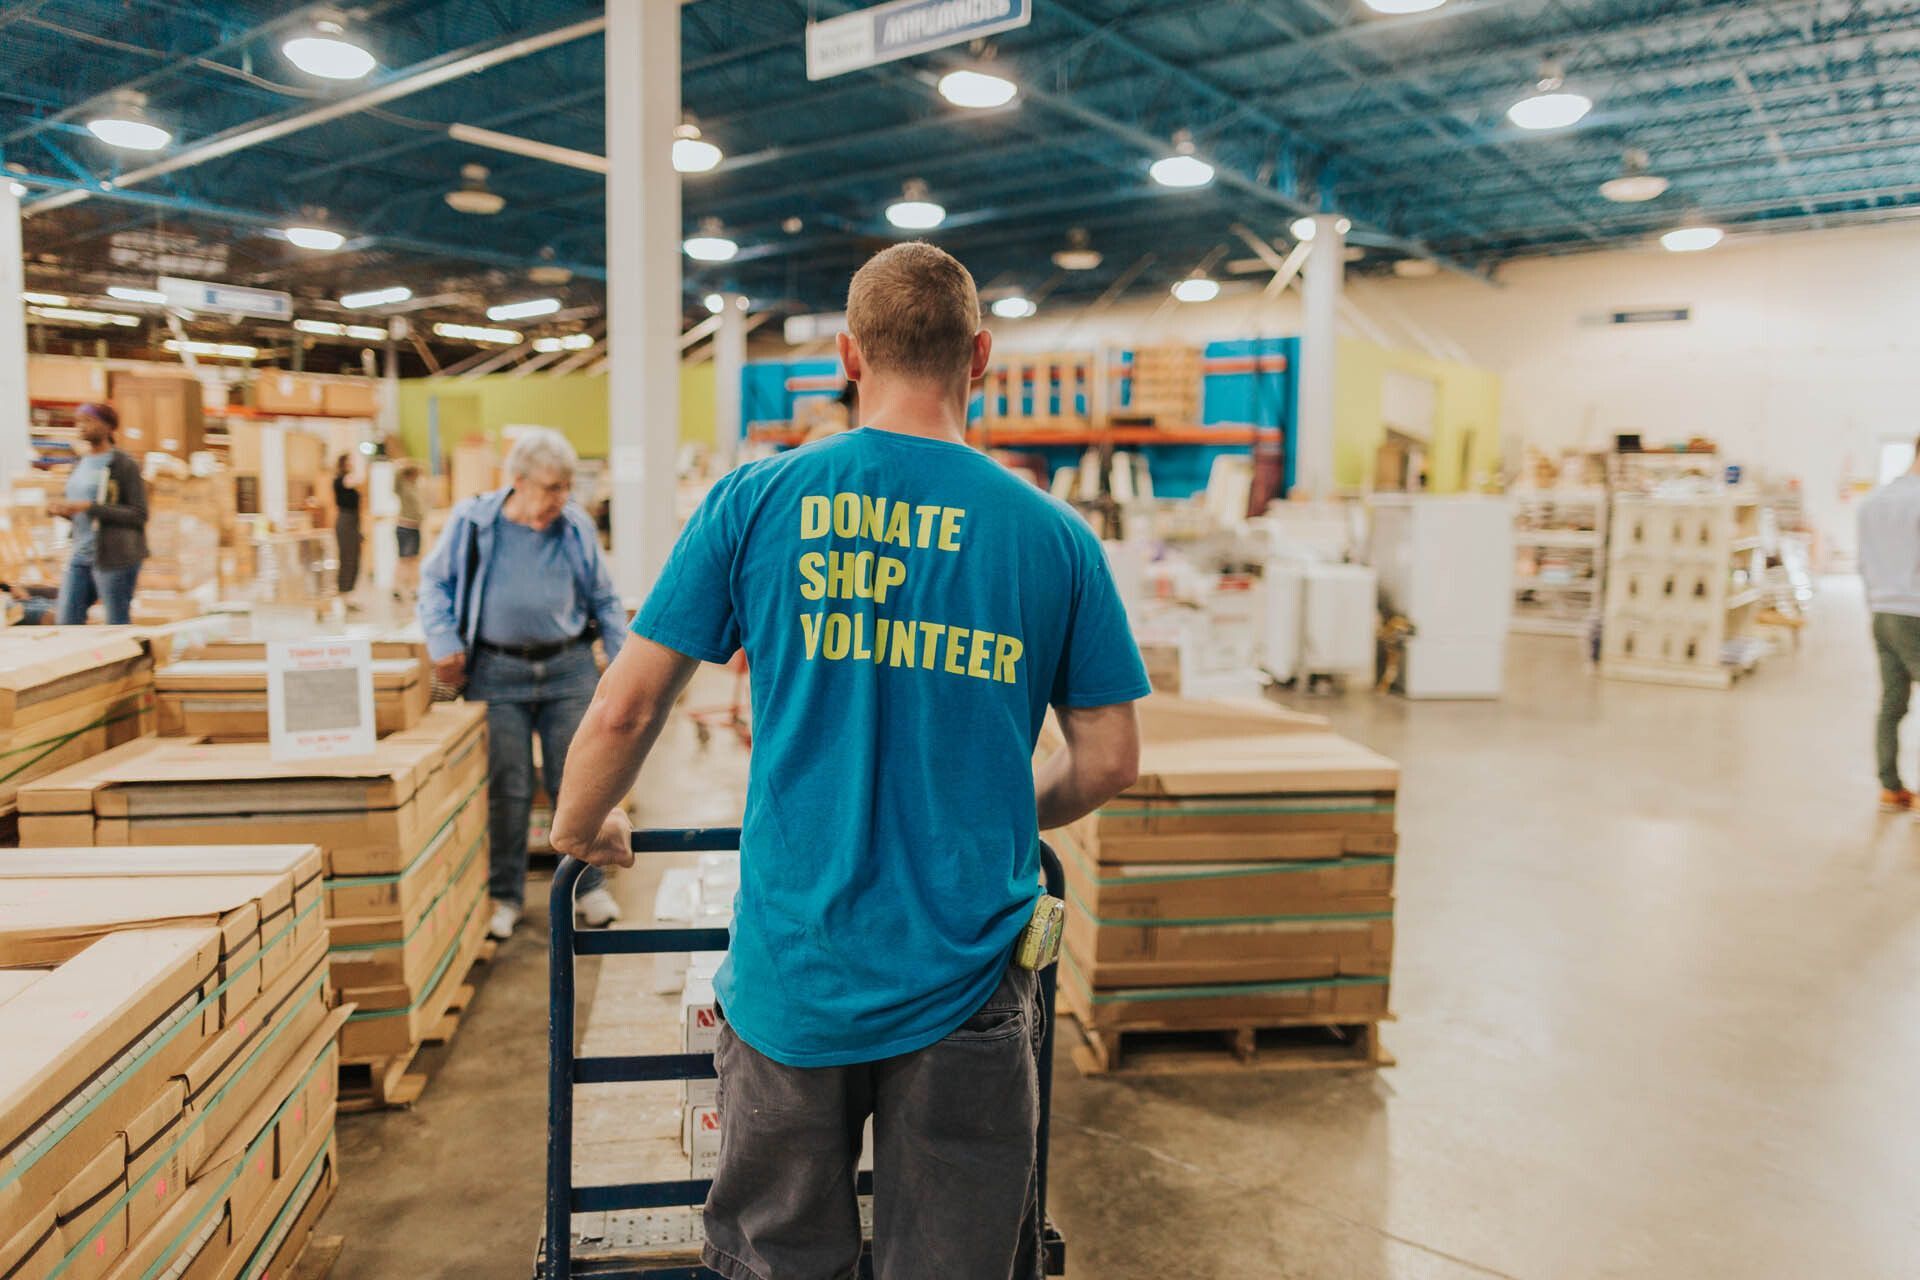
320,699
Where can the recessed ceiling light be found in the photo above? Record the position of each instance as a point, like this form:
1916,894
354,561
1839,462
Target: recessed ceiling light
323,50
691,152
1182,169
914,211
1016,307
318,239
526,310
1303,228
1197,288
1691,239
375,297
977,90
125,294
711,244
477,333
123,122
472,195
1551,105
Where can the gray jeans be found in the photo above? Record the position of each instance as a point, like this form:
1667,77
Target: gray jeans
954,1189
1896,640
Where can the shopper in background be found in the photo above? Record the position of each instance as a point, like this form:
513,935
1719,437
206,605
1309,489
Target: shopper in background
511,599
406,531
106,499
346,526
909,610
1890,567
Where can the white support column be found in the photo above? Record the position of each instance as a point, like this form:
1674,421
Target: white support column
1325,271
643,285
16,427
729,358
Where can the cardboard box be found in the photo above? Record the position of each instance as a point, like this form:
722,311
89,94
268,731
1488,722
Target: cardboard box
1149,953
160,414
699,1019
351,399
226,700
1221,891
384,1028
64,380
1209,1006
45,672
385,962
288,393
403,895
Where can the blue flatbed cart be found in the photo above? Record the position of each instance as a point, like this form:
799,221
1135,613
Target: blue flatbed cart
565,1071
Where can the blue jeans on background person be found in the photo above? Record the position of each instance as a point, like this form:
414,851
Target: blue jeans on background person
85,583
523,699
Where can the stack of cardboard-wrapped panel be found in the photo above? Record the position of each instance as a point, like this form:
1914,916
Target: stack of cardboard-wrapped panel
403,832
67,693
1243,884
180,577
218,691
166,1061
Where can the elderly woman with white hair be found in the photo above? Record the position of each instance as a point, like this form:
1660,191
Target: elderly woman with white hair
512,599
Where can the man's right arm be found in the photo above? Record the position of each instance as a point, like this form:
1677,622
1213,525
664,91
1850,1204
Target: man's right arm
1101,759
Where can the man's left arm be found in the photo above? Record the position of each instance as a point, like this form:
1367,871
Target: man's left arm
629,709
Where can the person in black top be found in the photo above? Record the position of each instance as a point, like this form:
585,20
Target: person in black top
346,524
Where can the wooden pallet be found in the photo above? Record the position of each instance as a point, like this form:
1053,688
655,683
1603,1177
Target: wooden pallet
380,1084
316,1258
1306,1046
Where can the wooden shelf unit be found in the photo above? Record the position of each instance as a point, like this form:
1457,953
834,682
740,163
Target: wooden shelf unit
1568,525
1683,586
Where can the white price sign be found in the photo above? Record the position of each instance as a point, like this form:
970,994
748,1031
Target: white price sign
320,699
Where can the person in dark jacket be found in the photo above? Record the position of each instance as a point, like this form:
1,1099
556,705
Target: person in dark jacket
346,525
106,499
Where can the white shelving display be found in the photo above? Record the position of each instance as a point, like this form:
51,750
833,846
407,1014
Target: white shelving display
1683,587
1560,558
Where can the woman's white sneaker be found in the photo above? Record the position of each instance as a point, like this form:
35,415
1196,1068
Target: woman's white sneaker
505,916
596,908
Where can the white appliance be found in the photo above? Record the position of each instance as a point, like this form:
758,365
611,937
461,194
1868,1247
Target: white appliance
1446,562
1342,620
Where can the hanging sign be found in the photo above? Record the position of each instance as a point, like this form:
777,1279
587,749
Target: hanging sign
319,699
206,295
869,37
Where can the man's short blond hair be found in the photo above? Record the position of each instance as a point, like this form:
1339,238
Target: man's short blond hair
914,310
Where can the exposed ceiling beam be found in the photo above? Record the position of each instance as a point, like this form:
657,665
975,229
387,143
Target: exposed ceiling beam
414,79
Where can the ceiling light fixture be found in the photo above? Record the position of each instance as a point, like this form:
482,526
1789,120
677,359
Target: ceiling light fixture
691,152
1017,307
126,294
1182,169
477,333
332,329
914,211
568,342
1303,228
1634,185
472,195
1415,268
323,49
547,271
75,315
1551,105
526,310
375,297
45,299
977,90
123,122
19,190
231,350
1691,239
318,239
715,304
1197,288
710,244
1398,7
1079,255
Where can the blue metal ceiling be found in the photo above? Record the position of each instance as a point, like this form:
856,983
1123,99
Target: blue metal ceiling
1764,116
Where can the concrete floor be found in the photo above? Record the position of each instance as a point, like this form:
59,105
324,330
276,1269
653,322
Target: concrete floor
1658,1017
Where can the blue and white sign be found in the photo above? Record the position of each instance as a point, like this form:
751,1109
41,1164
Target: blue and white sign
232,299
869,37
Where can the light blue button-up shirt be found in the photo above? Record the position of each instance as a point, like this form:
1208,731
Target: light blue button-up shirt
1890,547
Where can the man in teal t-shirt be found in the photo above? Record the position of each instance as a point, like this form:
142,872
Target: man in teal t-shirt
909,609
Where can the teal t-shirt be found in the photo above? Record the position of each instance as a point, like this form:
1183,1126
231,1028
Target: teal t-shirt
909,608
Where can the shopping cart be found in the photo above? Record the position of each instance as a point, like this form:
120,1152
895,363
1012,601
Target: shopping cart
555,1260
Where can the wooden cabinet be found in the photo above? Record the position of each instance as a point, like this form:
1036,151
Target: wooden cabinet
159,414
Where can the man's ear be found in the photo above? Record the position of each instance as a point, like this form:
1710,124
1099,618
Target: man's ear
850,357
982,355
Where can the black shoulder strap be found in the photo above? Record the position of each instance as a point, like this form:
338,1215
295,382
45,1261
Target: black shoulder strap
471,579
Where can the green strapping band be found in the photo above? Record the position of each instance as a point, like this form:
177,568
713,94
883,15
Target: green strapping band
473,851
1149,922
1145,994
67,1126
433,980
296,1203
1175,808
1238,870
54,744
347,882
200,1119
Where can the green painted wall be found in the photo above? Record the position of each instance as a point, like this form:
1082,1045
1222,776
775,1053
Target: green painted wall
1466,427
574,404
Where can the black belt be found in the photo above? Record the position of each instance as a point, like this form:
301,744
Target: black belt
534,652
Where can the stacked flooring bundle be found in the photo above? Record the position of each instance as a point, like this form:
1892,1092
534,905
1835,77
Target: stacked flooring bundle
1244,882
182,571
67,693
219,691
167,1061
403,833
